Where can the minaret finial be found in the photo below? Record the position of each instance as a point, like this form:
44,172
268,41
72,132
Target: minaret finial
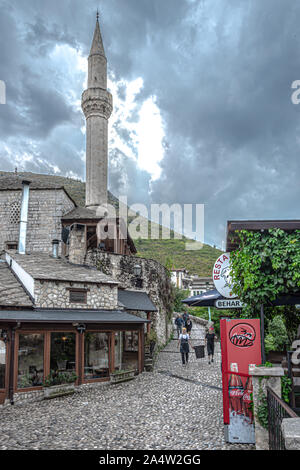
97,16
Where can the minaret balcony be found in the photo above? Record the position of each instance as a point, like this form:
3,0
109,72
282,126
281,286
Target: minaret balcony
97,102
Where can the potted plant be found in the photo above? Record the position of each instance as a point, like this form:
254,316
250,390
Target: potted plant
58,384
122,375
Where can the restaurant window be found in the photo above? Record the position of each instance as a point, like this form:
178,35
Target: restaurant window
2,363
96,363
30,360
126,350
63,352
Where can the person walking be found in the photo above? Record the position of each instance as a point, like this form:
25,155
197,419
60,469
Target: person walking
179,324
210,343
185,316
189,326
184,343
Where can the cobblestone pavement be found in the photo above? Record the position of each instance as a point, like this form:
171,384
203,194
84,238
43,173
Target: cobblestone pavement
172,408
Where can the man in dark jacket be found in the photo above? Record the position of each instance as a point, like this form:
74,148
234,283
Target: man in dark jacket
185,316
179,324
189,326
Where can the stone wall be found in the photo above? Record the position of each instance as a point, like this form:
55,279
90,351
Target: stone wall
263,377
46,207
55,294
155,282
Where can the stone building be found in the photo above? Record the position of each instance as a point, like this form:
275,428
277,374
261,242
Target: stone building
180,278
48,202
197,285
73,297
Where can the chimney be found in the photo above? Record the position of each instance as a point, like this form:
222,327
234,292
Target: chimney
24,217
55,244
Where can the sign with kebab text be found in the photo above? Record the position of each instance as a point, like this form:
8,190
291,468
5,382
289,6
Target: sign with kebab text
222,276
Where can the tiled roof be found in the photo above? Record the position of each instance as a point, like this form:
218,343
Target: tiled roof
136,300
43,266
11,291
15,182
68,315
81,213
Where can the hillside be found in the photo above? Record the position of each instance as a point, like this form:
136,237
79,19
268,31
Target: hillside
170,252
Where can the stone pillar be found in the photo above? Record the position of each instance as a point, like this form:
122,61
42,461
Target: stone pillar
77,244
263,377
291,433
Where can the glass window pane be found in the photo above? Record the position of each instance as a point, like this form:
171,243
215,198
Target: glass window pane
30,360
126,350
63,352
96,362
2,363
118,350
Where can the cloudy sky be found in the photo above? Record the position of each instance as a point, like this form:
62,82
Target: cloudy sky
202,100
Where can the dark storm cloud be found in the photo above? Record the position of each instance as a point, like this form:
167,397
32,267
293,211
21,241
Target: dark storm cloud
221,71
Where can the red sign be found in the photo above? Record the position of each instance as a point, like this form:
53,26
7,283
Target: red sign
241,350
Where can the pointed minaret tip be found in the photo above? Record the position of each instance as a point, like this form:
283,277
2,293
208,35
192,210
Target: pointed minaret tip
97,44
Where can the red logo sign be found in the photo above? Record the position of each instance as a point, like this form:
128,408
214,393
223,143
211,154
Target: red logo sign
242,335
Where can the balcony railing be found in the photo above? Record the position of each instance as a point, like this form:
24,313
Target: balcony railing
277,411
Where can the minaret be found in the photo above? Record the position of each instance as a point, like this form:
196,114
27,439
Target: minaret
97,107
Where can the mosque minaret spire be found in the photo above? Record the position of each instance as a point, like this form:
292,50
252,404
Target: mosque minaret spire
97,107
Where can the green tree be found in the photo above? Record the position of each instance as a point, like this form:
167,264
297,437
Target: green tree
266,266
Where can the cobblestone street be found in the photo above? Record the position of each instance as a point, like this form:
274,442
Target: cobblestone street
174,407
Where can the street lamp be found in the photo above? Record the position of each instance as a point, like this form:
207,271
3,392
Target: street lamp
137,270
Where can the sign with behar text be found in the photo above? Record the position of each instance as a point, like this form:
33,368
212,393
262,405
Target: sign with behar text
229,303
222,276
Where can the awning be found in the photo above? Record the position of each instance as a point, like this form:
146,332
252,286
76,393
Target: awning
207,299
69,316
136,300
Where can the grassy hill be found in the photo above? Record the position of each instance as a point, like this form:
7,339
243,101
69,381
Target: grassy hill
170,253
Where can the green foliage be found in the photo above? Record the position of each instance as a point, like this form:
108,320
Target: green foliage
59,378
262,410
286,387
179,295
277,338
270,343
266,364
172,252
151,337
266,265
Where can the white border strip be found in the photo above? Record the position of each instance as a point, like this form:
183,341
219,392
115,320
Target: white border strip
23,276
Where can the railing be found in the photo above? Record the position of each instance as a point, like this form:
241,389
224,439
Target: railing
277,411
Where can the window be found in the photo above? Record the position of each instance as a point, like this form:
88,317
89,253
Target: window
96,355
78,296
2,363
11,245
131,341
14,215
63,352
30,360
126,350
